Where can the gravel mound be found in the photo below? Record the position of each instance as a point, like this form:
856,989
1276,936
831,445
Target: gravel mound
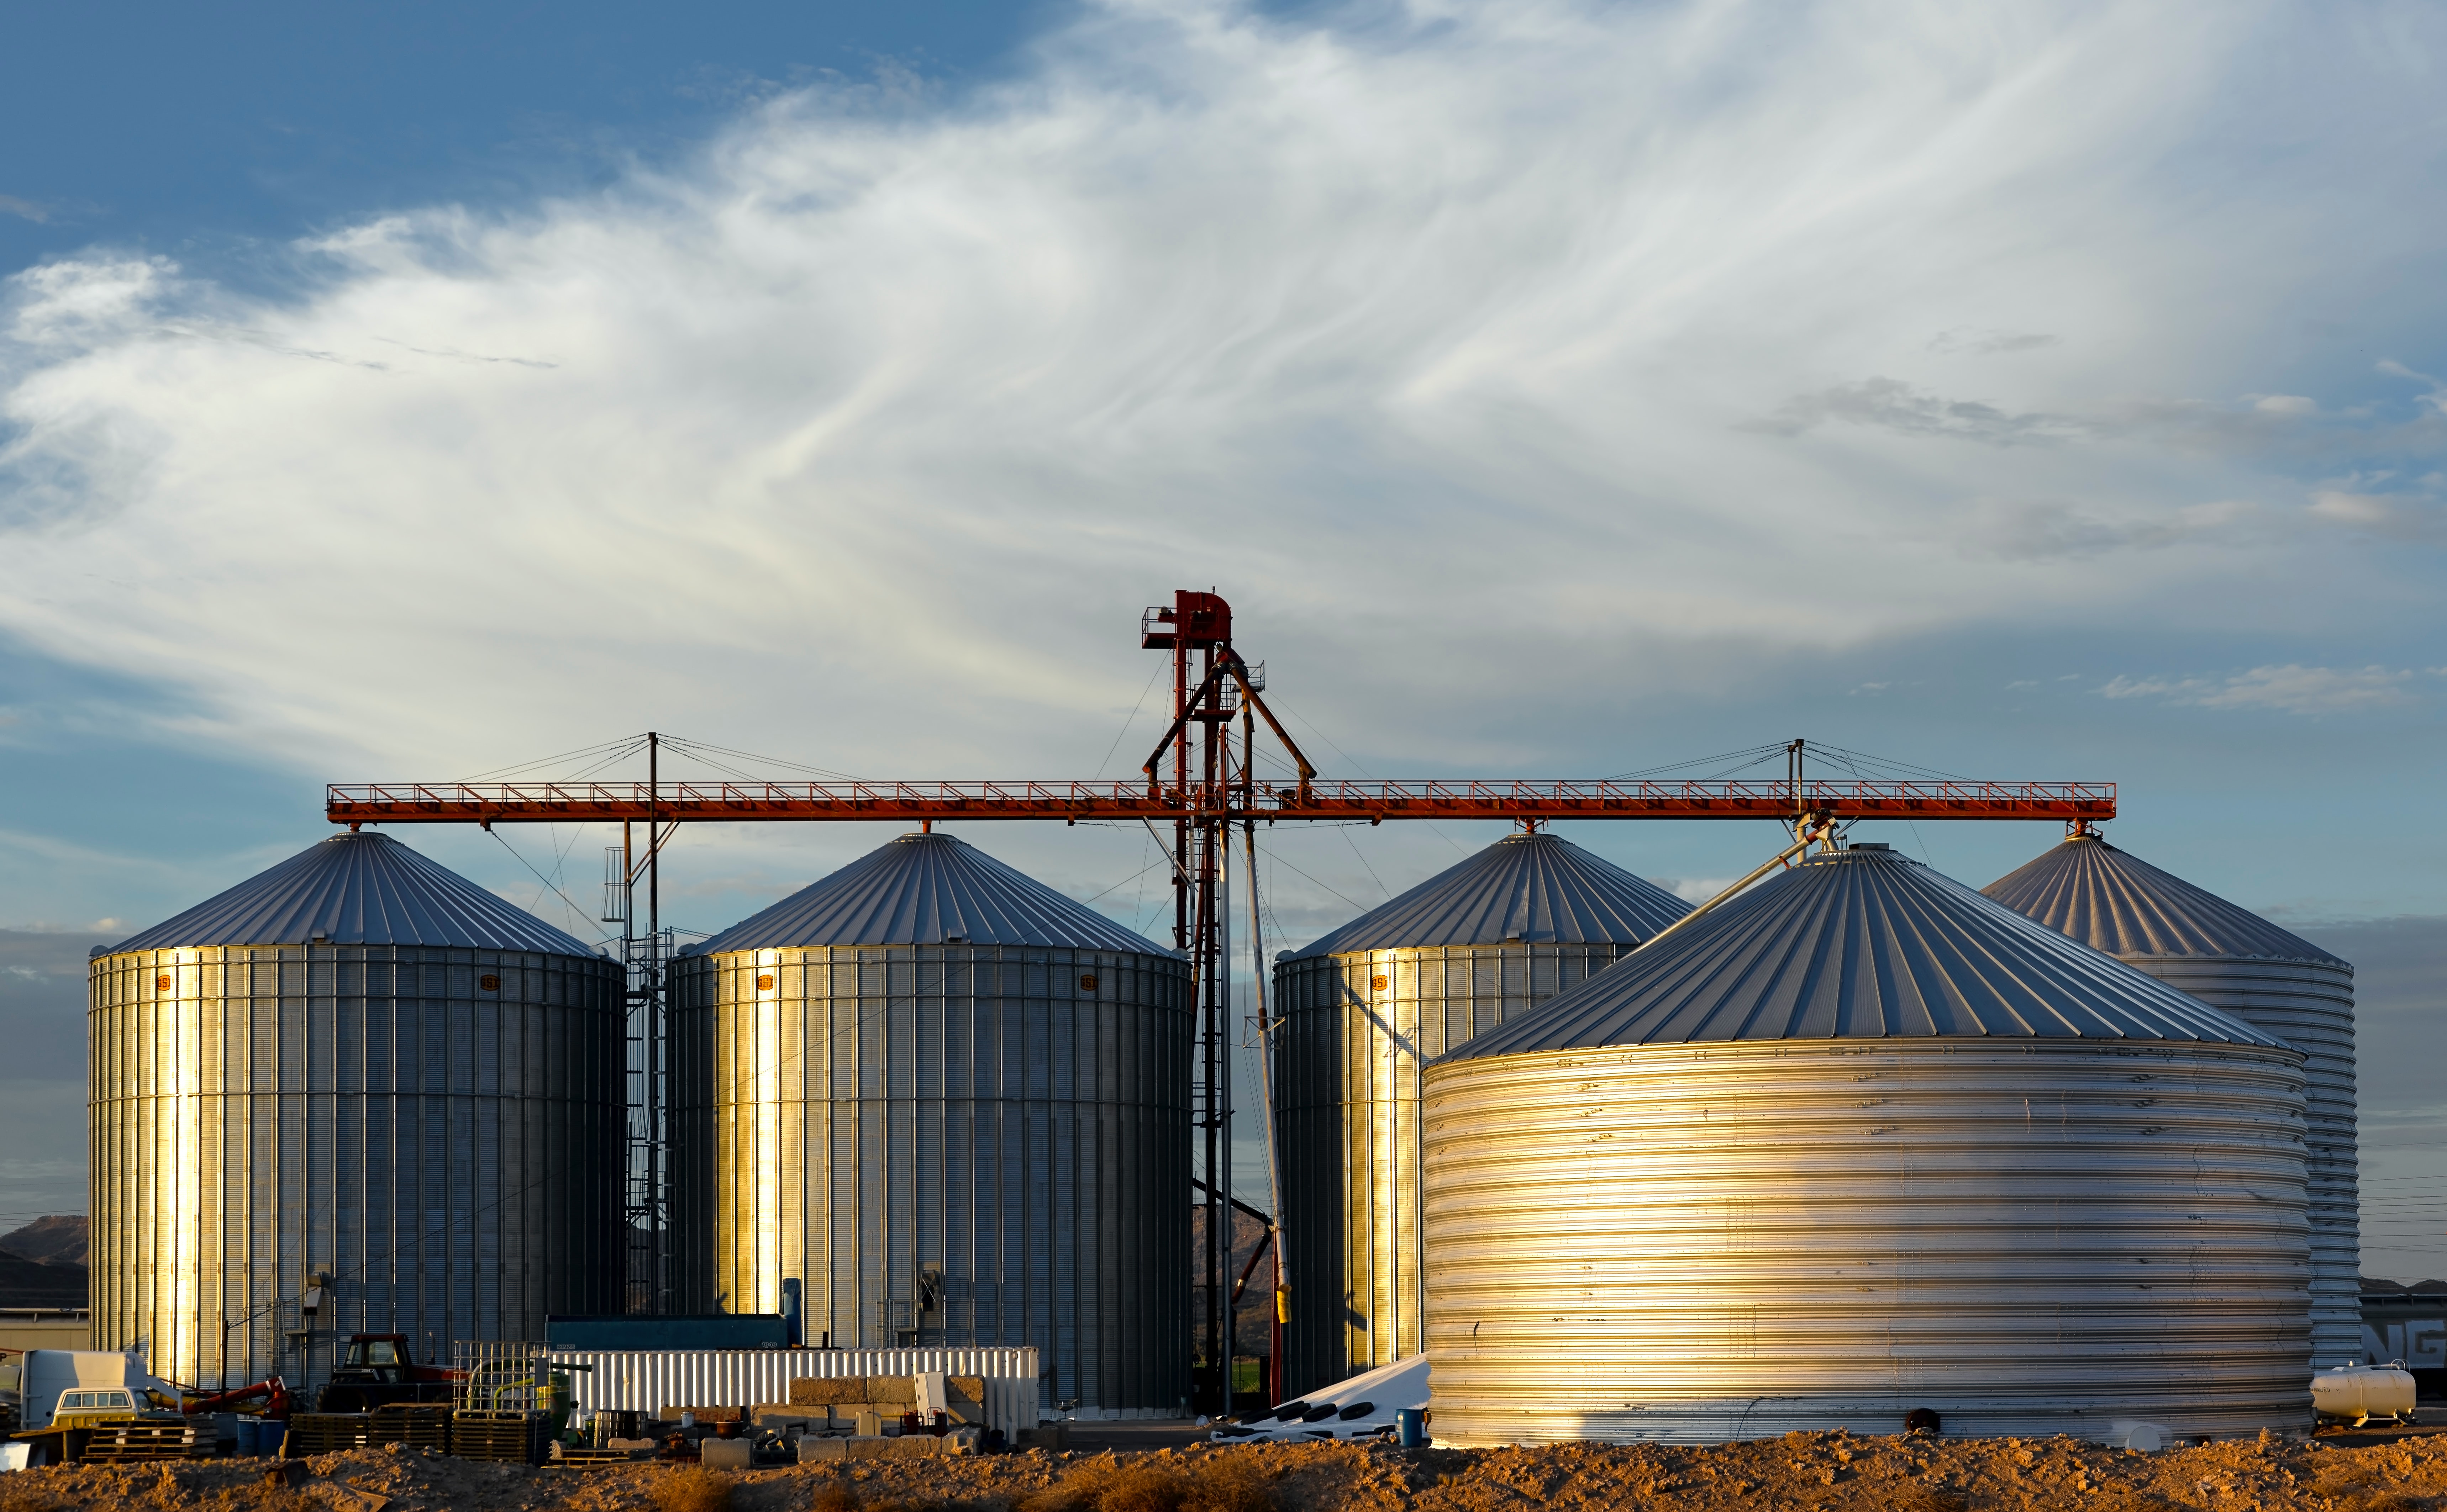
1807,1472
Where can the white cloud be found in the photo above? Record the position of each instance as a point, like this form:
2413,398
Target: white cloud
872,426
1989,343
2052,531
2290,688
2401,516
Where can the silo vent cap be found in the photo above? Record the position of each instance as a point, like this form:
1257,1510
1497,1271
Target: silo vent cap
1869,844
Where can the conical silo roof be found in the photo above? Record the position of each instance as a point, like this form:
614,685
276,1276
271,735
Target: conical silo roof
928,890
1862,944
2114,901
358,889
1537,889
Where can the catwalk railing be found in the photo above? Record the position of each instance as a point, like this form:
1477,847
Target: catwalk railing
562,803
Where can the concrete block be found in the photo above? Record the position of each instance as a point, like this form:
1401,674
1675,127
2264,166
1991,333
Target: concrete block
725,1454
962,1441
807,1390
900,1389
814,1449
863,1447
779,1416
913,1446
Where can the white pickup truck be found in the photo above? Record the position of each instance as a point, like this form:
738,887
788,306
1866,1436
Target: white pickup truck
72,1403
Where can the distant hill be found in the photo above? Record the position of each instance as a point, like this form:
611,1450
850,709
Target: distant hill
2373,1285
1252,1318
60,1239
32,1283
44,1264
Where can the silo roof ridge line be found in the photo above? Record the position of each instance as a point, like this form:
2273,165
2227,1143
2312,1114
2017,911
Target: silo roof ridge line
358,889
923,890
1863,946
1539,886
2116,902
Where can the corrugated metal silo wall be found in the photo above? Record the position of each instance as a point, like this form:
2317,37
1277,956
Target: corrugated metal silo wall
1346,1072
1701,1242
2310,1006
450,1152
1014,1116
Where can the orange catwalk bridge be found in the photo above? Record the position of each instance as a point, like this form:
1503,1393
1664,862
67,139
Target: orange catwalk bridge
675,800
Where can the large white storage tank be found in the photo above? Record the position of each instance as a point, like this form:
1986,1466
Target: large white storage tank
1363,1009
1857,1143
2232,958
955,1105
354,1093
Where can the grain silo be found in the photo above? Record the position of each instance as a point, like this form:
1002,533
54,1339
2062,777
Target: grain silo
2231,958
1857,1143
1363,1010
356,1093
955,1105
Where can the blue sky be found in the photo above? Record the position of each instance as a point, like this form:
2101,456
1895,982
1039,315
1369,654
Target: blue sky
1554,388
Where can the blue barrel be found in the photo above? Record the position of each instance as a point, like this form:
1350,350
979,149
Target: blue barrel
250,1437
1411,1426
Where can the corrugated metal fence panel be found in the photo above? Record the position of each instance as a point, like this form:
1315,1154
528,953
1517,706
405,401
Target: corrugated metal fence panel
2310,1006
447,1150
1012,1119
1347,1065
650,1380
1701,1242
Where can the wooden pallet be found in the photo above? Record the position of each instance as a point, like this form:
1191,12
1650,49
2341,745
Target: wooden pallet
121,1443
312,1433
579,1459
501,1437
412,1424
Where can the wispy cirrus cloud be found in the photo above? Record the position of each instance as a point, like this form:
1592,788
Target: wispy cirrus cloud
2055,531
1888,404
2290,689
1491,299
1989,343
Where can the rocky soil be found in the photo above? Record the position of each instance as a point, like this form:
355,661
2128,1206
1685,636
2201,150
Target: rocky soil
1832,1472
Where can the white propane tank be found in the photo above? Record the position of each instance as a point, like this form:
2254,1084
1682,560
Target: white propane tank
2361,1393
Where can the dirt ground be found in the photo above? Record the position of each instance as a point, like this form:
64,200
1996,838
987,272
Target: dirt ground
1828,1472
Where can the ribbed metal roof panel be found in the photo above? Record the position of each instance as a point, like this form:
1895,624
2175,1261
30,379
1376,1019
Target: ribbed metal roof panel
2114,901
358,890
924,890
1862,945
1535,888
